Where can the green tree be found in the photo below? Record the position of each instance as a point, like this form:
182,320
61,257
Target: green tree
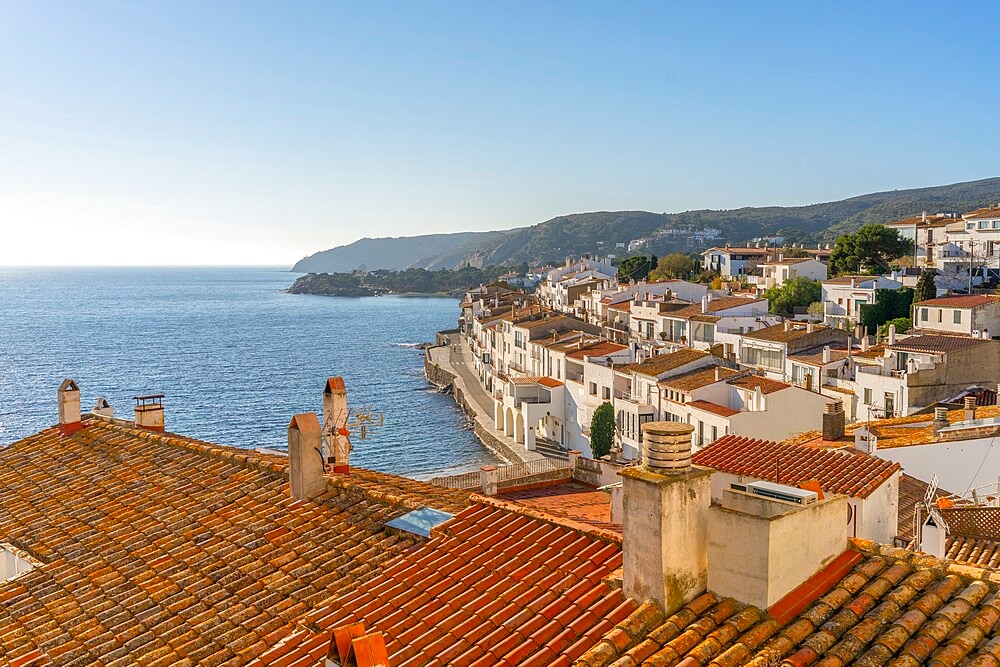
869,250
674,265
636,267
925,289
889,305
602,430
799,291
816,310
902,325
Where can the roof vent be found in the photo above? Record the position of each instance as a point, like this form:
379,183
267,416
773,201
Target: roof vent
667,446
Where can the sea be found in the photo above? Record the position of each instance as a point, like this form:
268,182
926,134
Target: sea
235,356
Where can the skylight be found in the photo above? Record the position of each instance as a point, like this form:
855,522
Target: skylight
14,562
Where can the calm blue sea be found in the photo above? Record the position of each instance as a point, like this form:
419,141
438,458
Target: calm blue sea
234,354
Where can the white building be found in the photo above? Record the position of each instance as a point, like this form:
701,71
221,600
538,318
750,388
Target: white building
967,315
776,273
844,295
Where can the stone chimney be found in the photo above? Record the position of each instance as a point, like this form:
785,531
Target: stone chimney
970,408
149,412
665,529
335,433
103,408
69,407
833,420
305,456
940,419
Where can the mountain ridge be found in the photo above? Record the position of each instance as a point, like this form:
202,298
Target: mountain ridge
600,232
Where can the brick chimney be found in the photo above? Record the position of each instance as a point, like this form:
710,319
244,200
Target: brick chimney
305,456
69,407
833,420
149,412
970,408
335,412
665,524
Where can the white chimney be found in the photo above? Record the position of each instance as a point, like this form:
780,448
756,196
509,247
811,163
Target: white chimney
986,334
665,529
103,408
932,538
891,338
704,304
854,282
69,407
305,456
810,327
335,434
149,412
864,343
864,441
788,325
781,257
827,357
970,408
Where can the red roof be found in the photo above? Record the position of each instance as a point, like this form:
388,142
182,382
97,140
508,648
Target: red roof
838,471
499,584
767,385
961,300
714,408
596,350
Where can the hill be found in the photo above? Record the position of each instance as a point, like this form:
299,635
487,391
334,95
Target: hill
601,232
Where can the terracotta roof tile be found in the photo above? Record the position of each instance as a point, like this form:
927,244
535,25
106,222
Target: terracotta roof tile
988,213
767,385
696,379
714,408
666,362
778,333
849,472
156,549
937,343
961,301
598,349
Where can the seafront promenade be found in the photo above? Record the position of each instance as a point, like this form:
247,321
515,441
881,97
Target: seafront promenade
449,364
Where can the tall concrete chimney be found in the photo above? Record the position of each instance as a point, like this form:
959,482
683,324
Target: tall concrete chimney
149,412
69,407
305,456
336,436
833,420
665,529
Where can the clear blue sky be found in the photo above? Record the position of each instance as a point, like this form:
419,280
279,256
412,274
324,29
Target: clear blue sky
229,133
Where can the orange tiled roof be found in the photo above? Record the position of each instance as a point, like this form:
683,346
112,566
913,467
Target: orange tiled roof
161,550
714,408
499,584
542,380
696,379
961,301
767,385
778,333
596,350
838,471
666,362
936,343
873,606
989,212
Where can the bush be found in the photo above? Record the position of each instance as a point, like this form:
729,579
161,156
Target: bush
799,291
602,430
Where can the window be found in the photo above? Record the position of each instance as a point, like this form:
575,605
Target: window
940,312
593,389
605,393
715,433
868,396
957,316
923,314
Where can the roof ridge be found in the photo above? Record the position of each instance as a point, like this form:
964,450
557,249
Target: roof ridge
577,526
923,561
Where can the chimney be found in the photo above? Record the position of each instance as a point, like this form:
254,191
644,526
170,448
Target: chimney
864,343
810,327
986,334
761,548
665,530
305,456
69,407
854,282
335,434
149,412
788,325
891,337
781,257
932,537
833,420
103,408
970,408
704,304
758,398
940,419
864,441
718,373
826,354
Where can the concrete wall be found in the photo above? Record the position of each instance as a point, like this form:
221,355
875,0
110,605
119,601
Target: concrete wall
960,466
758,555
789,411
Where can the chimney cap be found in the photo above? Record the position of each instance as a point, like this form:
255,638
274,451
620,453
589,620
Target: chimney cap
304,422
335,384
69,385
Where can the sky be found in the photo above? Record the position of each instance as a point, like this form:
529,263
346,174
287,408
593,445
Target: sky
185,133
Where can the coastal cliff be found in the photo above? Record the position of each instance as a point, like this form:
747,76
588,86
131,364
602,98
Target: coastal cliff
339,284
